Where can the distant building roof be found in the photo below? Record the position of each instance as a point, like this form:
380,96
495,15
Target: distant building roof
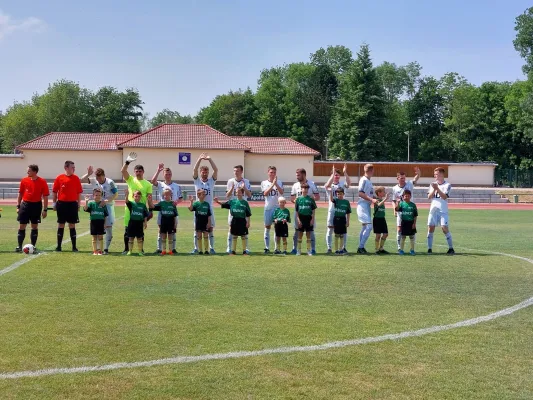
184,136
77,141
275,145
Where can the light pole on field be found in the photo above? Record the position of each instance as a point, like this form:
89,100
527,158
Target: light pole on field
408,150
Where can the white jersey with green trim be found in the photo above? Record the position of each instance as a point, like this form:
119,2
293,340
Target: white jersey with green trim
436,201
271,199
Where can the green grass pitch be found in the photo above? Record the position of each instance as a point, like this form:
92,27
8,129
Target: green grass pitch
72,310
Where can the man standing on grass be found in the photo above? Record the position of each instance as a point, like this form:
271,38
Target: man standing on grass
207,184
331,186
232,187
397,197
364,213
301,178
177,197
272,188
109,195
32,203
67,191
135,183
438,193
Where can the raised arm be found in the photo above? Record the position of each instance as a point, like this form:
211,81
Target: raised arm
197,165
87,175
214,175
129,159
160,168
346,176
417,175
327,186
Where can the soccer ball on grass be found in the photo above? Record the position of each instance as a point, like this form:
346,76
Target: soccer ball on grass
28,249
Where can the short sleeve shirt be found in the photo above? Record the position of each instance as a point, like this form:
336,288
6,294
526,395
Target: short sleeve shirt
282,214
167,209
236,184
143,185
32,190
176,190
365,186
109,188
297,189
95,211
437,202
238,208
305,205
333,188
408,210
271,199
342,207
138,211
397,191
208,186
68,188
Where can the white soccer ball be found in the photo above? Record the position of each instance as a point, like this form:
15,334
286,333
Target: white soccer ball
28,249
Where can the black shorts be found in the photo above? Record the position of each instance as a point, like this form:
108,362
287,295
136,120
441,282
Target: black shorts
201,224
407,228
306,224
238,227
339,225
167,227
380,226
97,227
136,229
30,212
281,229
67,212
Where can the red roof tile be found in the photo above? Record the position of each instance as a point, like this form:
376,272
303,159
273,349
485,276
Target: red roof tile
184,136
275,145
77,141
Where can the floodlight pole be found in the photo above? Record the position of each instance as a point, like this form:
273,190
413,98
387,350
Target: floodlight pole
408,145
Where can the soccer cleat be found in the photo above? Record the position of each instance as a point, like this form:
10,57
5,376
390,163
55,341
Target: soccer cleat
232,253
58,249
100,252
195,251
247,252
267,251
95,253
277,252
106,252
284,253
313,252
212,251
383,251
298,253
173,252
162,253
141,253
129,253
125,252
401,252
338,252
207,253
344,251
294,251
361,250
18,250
75,250
430,251
412,252
157,251
329,251
310,253
451,251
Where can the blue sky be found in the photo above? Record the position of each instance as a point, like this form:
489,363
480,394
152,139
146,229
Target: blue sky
181,54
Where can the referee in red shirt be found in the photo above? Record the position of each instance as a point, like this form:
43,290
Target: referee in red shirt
32,203
67,191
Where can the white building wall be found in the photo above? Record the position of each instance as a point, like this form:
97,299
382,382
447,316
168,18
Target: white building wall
256,165
465,174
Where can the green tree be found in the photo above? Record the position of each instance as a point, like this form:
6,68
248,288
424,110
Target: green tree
115,111
167,116
20,124
523,42
338,58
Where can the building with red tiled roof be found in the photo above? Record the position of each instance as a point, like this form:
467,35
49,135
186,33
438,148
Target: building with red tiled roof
77,141
275,145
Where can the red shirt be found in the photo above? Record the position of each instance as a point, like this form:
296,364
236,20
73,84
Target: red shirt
33,190
68,188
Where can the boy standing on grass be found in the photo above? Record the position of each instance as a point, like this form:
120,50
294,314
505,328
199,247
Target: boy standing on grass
240,219
331,186
366,199
397,194
282,219
97,215
409,216
137,223
202,220
341,218
379,222
305,218
168,221
439,192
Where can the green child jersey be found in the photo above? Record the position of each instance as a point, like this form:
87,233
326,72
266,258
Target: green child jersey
305,205
238,208
202,208
282,214
342,207
167,209
408,210
379,210
138,211
95,211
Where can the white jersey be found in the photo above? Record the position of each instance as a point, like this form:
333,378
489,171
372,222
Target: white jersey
436,201
208,186
236,184
176,190
334,187
365,186
297,189
109,188
397,191
271,199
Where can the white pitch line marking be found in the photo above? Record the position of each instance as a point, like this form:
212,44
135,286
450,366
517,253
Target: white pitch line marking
281,350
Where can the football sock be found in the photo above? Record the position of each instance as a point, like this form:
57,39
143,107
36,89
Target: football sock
402,242
230,237
267,238
364,235
309,245
20,236
378,240
329,234
101,243
108,236
285,246
33,236
337,240
207,241
398,238
195,241
140,243
159,240
130,244
313,241
382,243
430,240
173,241
60,232
413,240
198,244
234,243
211,241
345,238
93,242
276,243
126,240
295,240
73,237
244,242
300,245
448,237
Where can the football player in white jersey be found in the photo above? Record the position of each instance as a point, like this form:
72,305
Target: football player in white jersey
272,189
203,181
364,205
397,195
438,193
332,185
232,186
177,197
301,177
109,195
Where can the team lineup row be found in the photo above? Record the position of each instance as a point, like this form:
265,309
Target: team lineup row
32,205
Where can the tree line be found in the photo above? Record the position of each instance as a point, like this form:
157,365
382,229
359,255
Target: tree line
337,103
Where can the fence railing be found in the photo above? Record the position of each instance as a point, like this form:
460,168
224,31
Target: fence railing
514,178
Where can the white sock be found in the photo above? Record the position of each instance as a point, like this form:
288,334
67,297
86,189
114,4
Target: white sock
159,241
448,237
173,241
195,242
230,240
430,240
329,237
295,240
398,238
211,240
345,240
365,234
267,238
108,236
313,241
246,241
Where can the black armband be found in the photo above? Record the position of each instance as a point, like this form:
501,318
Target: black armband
127,162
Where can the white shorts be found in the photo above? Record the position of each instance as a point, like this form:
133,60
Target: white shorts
295,223
363,213
331,215
437,218
268,217
398,219
110,219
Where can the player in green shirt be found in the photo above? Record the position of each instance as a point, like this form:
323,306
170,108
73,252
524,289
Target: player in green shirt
409,216
305,218
97,213
202,226
282,219
341,218
379,222
137,223
169,221
240,219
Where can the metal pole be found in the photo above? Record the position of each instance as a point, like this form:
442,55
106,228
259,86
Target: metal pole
408,146
516,176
